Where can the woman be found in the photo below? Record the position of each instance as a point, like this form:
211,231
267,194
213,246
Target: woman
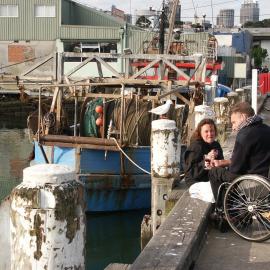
202,150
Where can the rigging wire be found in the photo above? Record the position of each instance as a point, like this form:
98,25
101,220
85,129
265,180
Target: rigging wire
122,151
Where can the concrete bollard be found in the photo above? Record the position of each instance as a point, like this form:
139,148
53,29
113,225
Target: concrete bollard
221,108
232,98
202,112
165,165
241,94
47,220
247,93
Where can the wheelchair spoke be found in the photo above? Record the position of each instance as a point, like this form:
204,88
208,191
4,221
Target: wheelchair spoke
247,207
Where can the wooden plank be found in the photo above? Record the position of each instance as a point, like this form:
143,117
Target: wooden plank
86,146
55,95
181,97
117,266
110,68
141,71
37,65
132,56
67,81
58,109
179,71
117,96
99,67
177,243
82,64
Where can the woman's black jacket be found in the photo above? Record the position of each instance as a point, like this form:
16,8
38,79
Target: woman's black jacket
194,160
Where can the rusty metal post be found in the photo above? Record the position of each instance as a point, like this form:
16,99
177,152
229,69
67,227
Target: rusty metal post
165,166
47,220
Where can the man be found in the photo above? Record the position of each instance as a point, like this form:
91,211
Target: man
251,153
265,69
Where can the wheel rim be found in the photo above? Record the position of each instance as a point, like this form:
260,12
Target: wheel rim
247,207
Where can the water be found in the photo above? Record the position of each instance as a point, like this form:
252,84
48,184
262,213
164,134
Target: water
111,237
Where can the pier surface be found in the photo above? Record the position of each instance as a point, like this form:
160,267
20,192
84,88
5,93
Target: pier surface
227,251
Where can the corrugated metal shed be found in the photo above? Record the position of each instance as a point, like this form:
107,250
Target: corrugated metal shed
77,14
229,62
26,26
195,42
72,21
89,32
136,39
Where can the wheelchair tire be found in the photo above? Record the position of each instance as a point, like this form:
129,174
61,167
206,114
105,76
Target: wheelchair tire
247,207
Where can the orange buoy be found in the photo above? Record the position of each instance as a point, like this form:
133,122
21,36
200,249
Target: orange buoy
99,109
99,121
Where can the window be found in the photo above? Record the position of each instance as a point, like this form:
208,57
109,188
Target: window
8,11
44,11
89,47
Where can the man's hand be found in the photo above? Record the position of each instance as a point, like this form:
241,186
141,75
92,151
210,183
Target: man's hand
220,163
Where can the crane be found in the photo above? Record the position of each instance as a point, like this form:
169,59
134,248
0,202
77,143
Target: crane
195,13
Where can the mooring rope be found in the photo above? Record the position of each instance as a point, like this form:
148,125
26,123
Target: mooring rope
135,164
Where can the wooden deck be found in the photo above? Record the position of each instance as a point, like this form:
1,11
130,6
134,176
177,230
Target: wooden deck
177,243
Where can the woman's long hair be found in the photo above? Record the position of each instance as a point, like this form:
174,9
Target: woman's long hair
197,133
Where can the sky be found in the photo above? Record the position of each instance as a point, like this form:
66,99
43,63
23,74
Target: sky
202,7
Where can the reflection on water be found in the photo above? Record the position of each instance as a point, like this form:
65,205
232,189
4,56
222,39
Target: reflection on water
14,151
113,237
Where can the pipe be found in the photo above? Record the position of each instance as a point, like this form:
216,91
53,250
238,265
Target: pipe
77,140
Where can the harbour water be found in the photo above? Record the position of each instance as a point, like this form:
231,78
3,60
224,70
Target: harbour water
111,237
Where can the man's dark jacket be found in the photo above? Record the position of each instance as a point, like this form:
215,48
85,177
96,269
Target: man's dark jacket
251,152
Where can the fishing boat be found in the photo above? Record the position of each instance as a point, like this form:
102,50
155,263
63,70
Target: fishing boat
106,139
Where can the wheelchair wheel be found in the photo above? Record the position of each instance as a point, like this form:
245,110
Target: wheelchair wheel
247,207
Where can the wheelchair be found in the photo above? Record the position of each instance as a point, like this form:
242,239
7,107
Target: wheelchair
244,205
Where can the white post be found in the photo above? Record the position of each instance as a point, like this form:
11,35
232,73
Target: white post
165,165
47,220
202,112
214,83
254,90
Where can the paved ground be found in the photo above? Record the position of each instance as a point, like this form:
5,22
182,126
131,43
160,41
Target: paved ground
227,251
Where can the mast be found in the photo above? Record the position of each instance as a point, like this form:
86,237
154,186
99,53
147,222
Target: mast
162,29
171,24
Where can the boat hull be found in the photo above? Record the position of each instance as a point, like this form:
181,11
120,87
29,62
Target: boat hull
108,185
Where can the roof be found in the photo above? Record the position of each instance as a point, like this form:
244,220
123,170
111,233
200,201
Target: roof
108,18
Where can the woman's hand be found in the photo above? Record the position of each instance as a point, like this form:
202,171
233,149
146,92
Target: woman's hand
207,162
213,154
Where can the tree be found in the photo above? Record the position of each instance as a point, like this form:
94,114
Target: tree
260,24
258,54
